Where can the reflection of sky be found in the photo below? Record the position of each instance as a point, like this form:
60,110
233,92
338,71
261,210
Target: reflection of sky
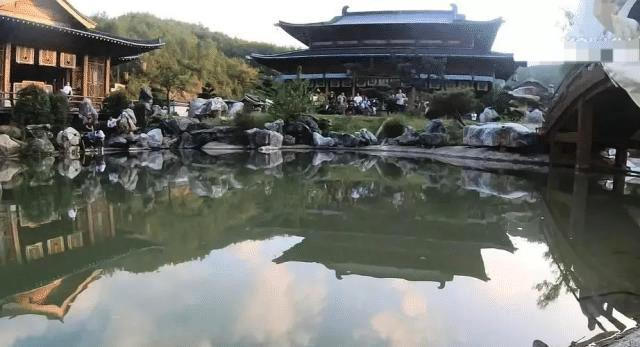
238,296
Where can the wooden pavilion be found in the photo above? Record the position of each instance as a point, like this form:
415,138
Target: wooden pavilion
49,43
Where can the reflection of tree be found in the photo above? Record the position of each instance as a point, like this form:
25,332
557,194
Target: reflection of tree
550,290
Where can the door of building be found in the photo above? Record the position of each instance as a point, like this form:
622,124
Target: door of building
96,77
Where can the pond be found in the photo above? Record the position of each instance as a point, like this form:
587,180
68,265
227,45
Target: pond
319,249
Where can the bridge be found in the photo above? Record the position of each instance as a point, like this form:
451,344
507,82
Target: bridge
595,108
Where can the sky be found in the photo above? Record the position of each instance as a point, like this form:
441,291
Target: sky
532,29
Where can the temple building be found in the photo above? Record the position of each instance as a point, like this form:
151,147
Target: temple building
48,43
429,50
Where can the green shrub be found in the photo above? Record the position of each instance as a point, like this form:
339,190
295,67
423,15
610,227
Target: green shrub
498,98
115,103
454,103
252,120
59,103
391,128
292,99
33,107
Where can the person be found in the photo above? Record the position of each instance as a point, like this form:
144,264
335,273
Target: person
365,106
67,90
401,101
342,103
357,100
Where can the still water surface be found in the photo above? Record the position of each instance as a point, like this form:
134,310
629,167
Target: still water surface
312,249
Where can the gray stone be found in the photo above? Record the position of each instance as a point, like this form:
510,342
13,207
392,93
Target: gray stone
310,122
178,125
68,137
277,126
435,126
368,137
534,117
509,135
155,138
12,131
489,115
300,131
346,140
146,97
8,147
321,141
199,108
434,139
117,142
186,142
260,138
127,121
409,138
289,140
236,109
40,144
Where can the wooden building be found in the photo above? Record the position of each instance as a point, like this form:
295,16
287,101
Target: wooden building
429,49
49,43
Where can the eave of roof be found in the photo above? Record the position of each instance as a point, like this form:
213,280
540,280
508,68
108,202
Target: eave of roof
148,44
409,52
335,22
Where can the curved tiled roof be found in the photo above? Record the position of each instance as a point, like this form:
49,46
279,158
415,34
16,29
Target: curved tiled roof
383,52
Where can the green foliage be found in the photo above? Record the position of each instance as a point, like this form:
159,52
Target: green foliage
292,99
498,98
59,103
191,52
453,103
253,120
33,107
392,127
115,103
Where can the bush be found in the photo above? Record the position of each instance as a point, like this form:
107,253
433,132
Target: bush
115,103
59,103
498,98
292,99
33,107
392,128
252,120
453,103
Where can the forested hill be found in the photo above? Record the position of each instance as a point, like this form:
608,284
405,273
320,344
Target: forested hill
194,54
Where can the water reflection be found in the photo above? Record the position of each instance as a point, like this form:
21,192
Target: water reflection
67,225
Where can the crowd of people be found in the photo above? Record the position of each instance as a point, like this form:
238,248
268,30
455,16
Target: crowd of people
359,104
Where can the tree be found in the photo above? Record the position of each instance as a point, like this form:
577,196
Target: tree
170,76
33,107
292,99
454,103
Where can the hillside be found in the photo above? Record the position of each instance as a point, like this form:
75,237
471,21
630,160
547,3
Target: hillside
193,56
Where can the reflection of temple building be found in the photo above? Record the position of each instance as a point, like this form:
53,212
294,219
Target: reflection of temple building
594,240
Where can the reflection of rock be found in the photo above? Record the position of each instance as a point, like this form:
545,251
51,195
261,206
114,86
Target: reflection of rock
277,126
265,161
264,138
69,168
40,144
321,157
321,141
510,135
8,147
410,137
367,136
506,187
12,131
8,169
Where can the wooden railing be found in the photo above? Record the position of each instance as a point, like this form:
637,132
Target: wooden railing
8,100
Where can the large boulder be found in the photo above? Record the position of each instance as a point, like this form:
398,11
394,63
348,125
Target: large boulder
300,131
277,126
117,142
434,139
186,142
321,141
40,144
264,138
311,122
346,140
367,136
511,135
12,131
435,126
489,115
534,117
236,109
68,137
199,108
88,113
226,134
179,125
409,138
289,140
8,147
127,121
155,138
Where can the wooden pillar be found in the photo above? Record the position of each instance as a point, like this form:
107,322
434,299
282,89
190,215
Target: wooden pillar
353,84
585,135
619,184
92,237
555,153
85,76
6,83
622,157
107,76
112,221
578,216
15,232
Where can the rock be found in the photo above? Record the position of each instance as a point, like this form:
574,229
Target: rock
325,125
368,137
142,142
436,126
265,161
345,140
12,131
117,142
127,121
227,134
534,117
179,125
236,109
409,138
289,140
8,147
300,131
509,135
155,138
321,141
310,122
69,137
260,138
434,139
146,98
69,168
489,115
277,126
40,144
186,142
199,108
88,113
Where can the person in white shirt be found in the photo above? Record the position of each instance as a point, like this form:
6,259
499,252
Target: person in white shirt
401,101
67,90
357,100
